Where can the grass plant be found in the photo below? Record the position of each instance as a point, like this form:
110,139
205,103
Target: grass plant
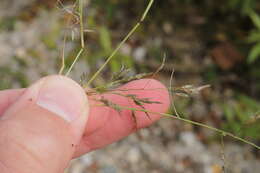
120,78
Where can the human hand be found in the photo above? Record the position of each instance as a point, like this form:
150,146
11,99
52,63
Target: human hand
46,125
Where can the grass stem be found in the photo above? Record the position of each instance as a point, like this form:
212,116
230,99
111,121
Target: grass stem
75,60
219,131
81,23
120,44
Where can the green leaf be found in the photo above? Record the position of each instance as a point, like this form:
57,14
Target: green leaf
255,18
254,53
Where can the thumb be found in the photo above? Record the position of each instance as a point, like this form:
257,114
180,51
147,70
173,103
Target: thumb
39,132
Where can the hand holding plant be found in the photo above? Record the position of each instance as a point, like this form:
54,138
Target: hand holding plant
46,125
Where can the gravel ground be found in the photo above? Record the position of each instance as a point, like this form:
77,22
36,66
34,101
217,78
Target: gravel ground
168,146
160,150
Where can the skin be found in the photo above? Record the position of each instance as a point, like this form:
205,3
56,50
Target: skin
42,141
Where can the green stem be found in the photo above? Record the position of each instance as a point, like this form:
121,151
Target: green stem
222,132
63,56
75,60
81,23
120,44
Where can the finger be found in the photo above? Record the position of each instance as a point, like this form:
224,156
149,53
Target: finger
106,125
99,116
39,131
8,97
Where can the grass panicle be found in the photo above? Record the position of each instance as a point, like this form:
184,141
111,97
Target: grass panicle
219,131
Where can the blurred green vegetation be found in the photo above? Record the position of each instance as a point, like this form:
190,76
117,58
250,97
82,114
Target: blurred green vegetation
254,38
8,77
7,23
242,117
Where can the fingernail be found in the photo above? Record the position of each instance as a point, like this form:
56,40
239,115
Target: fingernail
63,97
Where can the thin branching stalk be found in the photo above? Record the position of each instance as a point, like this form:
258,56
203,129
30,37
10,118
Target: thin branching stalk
171,94
80,14
75,60
63,56
173,90
121,44
81,23
219,131
157,71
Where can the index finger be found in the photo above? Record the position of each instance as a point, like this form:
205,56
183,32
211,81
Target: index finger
106,125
